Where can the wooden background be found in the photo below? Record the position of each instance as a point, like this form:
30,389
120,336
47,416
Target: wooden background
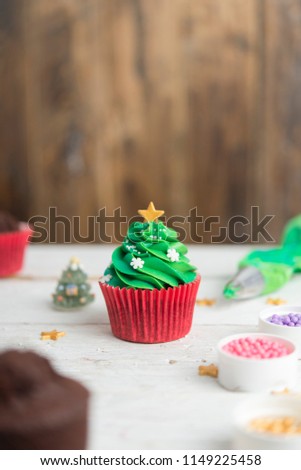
118,102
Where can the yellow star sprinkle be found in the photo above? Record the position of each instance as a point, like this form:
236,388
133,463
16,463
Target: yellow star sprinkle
54,334
285,391
273,301
211,370
151,213
205,302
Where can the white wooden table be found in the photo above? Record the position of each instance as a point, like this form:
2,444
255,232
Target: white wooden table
143,396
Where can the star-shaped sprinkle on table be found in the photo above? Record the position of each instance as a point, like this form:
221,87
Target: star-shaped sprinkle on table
151,213
205,302
211,370
54,335
275,301
285,391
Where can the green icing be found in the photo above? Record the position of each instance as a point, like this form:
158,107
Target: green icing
230,291
276,265
275,274
150,257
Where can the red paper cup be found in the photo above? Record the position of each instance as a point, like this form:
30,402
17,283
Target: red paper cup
12,248
151,316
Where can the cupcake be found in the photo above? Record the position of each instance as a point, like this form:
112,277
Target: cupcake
39,408
150,286
13,240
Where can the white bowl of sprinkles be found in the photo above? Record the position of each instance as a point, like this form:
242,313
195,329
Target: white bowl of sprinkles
268,423
253,373
276,321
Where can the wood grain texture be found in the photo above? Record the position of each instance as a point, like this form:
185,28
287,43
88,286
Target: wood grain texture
281,158
67,150
13,172
118,102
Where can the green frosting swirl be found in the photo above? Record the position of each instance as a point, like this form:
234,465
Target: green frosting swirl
150,257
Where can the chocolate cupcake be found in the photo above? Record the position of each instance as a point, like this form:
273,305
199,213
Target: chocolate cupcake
14,236
39,408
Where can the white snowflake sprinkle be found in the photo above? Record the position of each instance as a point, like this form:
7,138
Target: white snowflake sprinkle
130,247
106,278
173,255
137,263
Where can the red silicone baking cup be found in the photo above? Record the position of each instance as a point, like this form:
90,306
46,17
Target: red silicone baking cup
151,316
12,248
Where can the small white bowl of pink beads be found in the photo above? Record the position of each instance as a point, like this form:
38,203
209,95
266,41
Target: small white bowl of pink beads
284,321
256,362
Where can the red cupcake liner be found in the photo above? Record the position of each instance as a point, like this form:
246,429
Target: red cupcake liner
12,248
151,316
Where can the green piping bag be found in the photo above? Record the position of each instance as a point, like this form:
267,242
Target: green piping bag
264,271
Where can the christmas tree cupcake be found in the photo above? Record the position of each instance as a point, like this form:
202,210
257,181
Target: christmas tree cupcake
150,287
73,290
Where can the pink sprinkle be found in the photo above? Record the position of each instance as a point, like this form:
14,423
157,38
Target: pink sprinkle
256,348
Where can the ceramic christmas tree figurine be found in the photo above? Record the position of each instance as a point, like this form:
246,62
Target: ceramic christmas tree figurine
73,290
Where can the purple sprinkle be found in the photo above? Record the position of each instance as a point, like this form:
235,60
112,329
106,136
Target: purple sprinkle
292,320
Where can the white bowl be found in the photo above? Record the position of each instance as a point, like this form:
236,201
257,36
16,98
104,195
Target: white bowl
261,407
289,332
243,374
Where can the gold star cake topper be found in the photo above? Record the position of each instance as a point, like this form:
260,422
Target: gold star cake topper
151,213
